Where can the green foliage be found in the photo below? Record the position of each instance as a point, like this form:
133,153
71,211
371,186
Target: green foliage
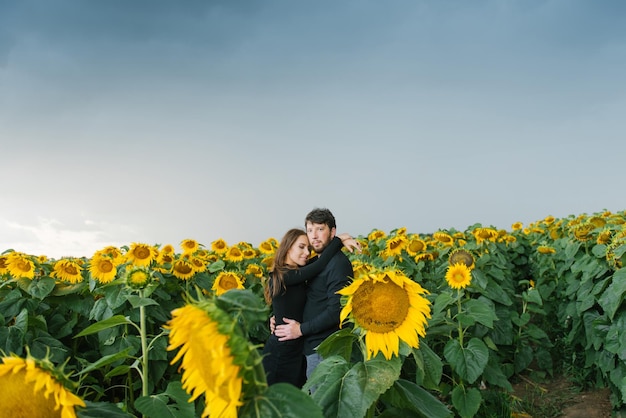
546,298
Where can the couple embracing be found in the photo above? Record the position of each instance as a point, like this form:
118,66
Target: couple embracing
303,294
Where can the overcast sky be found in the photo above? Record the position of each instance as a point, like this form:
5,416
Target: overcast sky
156,121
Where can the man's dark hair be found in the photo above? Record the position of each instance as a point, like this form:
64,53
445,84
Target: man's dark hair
321,216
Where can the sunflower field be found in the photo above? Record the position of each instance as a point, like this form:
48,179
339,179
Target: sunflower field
433,325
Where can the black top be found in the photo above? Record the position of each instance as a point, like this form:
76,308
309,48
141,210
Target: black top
323,304
291,302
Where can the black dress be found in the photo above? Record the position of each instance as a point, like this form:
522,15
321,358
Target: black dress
284,361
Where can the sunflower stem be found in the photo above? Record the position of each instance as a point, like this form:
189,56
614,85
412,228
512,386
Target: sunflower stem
144,348
458,300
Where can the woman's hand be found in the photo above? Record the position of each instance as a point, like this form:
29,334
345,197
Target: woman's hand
350,242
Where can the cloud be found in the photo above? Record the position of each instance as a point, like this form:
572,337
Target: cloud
54,239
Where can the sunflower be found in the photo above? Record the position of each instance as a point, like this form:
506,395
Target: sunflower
597,221
138,277
28,388
189,246
544,249
461,256
485,234
415,246
517,226
386,307
20,266
234,254
210,366
113,252
167,249
249,253
183,269
509,239
266,247
582,232
68,270
4,264
268,261
376,234
199,265
219,246
165,258
360,268
255,270
401,231
604,237
394,246
443,238
225,281
102,269
141,254
549,220
458,276
424,257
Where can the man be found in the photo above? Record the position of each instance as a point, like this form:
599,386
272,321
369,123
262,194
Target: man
323,306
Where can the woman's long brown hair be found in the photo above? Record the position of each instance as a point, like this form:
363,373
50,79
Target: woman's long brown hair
276,285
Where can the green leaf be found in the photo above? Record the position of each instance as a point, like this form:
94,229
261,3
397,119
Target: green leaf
442,301
468,362
156,406
40,288
532,296
612,297
160,406
118,371
407,395
430,365
105,324
494,292
281,400
571,249
466,402
358,388
481,310
137,301
339,343
115,296
216,266
101,409
106,360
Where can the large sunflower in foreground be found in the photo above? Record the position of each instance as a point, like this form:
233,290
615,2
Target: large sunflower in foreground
386,307
458,275
28,389
211,356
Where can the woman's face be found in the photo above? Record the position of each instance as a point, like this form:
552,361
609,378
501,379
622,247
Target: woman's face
299,252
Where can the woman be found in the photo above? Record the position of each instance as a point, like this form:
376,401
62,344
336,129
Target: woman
284,361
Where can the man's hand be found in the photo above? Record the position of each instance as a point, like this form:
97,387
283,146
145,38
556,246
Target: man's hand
290,330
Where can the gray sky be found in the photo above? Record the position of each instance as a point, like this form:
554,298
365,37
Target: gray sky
156,121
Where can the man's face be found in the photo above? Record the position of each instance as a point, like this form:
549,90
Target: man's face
319,235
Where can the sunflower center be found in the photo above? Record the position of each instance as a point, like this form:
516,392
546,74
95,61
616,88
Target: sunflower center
380,307
142,253
71,270
394,244
24,266
183,268
106,266
228,282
